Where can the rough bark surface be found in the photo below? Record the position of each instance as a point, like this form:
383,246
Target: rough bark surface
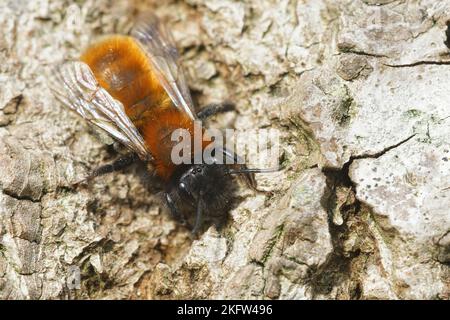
359,90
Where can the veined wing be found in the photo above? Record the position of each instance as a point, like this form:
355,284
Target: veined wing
74,84
158,43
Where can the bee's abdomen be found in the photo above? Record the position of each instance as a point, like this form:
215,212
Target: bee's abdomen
157,133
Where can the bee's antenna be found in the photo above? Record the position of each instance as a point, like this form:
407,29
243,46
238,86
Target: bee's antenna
254,170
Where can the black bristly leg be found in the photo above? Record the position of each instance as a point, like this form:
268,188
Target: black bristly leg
173,209
116,165
199,215
215,108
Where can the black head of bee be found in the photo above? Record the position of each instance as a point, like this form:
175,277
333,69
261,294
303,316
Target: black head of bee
201,191
207,190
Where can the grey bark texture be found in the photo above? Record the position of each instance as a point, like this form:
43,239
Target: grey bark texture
358,89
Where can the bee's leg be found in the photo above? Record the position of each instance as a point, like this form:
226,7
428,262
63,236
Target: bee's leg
199,215
173,209
118,164
215,108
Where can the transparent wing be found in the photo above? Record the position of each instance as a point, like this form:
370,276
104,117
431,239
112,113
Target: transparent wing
74,84
158,43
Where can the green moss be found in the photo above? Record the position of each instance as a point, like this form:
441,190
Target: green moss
302,127
272,242
346,109
92,281
412,113
304,135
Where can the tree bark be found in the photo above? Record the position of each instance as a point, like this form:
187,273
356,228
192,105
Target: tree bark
359,92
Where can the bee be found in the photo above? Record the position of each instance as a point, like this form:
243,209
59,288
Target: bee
133,87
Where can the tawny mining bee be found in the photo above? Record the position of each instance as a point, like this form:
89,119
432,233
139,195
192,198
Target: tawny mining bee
133,87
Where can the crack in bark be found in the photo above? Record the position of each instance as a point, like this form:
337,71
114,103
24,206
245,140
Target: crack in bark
338,265
418,63
342,174
379,154
367,54
378,4
20,198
